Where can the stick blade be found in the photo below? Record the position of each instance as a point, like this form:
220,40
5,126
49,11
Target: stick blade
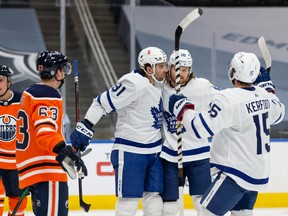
265,52
193,15
85,206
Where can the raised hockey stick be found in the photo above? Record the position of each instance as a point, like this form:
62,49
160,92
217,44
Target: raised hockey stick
83,205
265,53
24,193
180,28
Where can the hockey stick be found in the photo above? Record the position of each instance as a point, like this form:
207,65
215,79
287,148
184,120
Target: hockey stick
83,205
265,53
24,193
180,28
86,152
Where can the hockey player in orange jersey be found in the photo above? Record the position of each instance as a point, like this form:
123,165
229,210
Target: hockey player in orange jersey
9,106
2,196
42,154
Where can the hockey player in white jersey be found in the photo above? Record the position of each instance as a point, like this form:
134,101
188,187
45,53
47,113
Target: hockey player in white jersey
137,99
196,152
239,120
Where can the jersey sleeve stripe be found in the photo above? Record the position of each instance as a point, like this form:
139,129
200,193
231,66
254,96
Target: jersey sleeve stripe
47,121
45,130
8,160
205,125
279,119
110,101
99,100
195,129
8,151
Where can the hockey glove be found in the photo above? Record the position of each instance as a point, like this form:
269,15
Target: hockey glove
81,135
71,163
178,105
264,81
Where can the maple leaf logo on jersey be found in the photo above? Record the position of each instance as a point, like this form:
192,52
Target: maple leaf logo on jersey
7,128
157,114
172,123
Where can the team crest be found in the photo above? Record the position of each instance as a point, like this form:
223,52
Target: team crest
22,66
7,128
172,123
157,114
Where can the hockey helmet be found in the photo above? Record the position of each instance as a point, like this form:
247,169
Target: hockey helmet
152,56
185,58
4,71
49,61
244,67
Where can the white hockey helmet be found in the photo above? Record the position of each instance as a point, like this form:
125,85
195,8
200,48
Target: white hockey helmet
244,67
152,56
185,58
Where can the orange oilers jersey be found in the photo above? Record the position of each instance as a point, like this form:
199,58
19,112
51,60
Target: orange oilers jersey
40,129
8,118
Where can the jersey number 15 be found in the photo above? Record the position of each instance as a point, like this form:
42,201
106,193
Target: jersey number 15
260,122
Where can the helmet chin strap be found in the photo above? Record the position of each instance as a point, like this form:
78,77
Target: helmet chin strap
62,81
5,92
152,75
8,87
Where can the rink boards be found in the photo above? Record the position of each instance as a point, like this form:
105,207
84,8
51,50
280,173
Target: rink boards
98,187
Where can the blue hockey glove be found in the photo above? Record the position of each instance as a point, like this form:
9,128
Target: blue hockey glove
81,136
71,162
178,105
264,81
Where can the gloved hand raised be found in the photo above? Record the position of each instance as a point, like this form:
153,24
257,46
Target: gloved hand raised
71,162
264,81
81,135
178,105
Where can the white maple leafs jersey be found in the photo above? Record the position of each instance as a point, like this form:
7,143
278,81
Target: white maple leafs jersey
140,113
239,119
200,92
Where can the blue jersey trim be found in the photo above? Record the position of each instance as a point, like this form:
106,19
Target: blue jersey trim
99,100
110,101
42,91
278,118
241,175
205,125
136,144
194,129
96,142
186,153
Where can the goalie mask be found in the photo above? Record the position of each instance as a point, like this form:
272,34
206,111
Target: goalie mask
244,67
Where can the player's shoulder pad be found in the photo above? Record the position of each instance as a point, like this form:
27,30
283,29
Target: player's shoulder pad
16,97
203,81
134,80
42,91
